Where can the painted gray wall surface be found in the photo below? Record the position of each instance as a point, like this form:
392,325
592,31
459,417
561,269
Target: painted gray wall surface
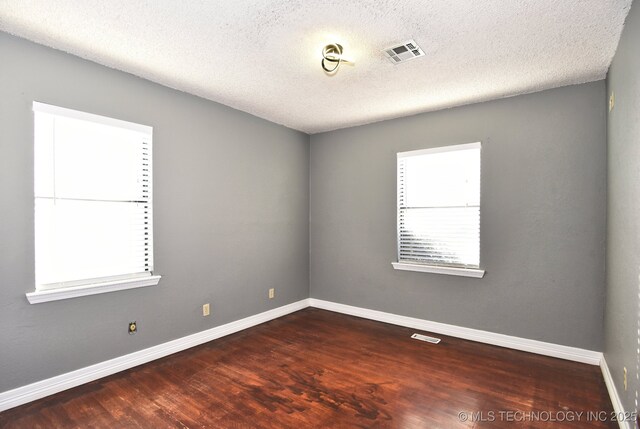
623,215
542,217
231,216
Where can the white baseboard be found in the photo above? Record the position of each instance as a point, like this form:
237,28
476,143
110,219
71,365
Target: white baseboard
618,408
532,346
31,392
40,389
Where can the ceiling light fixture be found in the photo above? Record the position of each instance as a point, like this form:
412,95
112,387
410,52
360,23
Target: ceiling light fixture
332,53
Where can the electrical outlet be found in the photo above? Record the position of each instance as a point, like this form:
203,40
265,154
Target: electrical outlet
272,293
133,327
206,310
612,101
625,378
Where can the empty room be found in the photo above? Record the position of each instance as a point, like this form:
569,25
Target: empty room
320,214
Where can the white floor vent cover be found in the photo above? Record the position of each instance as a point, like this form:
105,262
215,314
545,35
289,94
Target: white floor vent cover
421,337
403,52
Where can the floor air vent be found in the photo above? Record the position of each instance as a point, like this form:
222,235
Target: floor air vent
403,52
421,337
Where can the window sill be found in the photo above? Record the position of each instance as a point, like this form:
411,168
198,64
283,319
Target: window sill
452,271
91,289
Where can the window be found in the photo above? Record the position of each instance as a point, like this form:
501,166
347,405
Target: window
439,210
93,204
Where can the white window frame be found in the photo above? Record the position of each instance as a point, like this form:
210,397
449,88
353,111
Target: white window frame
86,287
430,268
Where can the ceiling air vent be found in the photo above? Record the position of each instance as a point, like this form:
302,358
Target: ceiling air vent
403,52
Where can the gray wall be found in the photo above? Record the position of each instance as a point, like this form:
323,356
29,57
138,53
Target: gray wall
542,222
232,204
623,214
231,216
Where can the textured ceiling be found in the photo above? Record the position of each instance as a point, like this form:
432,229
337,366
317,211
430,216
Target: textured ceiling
263,56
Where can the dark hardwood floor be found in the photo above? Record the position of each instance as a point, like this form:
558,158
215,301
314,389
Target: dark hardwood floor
317,369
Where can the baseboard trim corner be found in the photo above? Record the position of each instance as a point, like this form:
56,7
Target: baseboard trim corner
517,343
40,389
618,408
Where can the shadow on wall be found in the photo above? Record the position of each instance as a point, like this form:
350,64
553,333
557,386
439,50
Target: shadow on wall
638,349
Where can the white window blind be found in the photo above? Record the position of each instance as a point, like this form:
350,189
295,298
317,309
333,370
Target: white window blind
93,198
439,206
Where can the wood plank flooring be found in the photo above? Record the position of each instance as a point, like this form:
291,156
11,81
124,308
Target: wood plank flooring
318,369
